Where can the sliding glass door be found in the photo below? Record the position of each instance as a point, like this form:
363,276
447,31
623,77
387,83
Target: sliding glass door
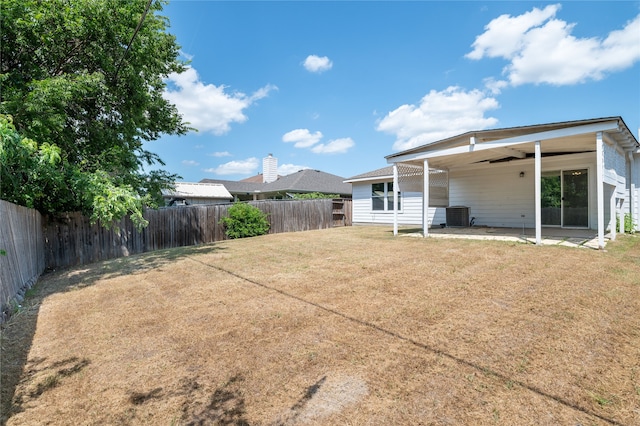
575,199
551,199
565,198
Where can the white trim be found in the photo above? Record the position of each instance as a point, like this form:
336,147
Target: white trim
501,143
371,178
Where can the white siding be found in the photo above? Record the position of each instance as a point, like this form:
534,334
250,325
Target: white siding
410,213
497,196
614,163
615,173
635,189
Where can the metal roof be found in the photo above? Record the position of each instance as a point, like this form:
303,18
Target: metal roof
198,190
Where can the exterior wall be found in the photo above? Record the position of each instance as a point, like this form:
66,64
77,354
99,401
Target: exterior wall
615,173
410,213
195,201
635,190
202,201
497,196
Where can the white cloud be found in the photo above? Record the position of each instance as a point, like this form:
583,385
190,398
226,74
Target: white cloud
541,49
503,35
190,163
287,169
243,167
336,146
220,154
302,138
439,115
317,64
207,107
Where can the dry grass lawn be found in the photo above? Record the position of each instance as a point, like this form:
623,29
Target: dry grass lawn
343,326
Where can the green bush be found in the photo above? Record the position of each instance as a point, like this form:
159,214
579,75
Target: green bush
629,224
245,220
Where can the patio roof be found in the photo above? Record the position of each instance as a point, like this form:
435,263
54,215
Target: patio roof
519,143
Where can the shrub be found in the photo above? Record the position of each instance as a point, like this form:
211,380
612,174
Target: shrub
245,220
629,224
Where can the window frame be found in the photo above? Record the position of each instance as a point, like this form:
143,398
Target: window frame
386,198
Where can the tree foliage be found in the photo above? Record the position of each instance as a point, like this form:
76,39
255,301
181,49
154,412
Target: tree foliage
314,196
82,84
245,220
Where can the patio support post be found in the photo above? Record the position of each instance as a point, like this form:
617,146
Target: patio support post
614,214
538,185
395,198
425,198
600,188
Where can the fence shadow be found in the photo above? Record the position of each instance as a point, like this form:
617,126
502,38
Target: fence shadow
18,332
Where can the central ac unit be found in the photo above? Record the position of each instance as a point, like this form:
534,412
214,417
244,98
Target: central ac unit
458,216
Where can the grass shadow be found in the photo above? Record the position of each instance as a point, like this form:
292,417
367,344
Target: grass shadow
226,406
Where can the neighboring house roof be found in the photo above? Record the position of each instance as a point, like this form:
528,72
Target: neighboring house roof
256,179
384,172
518,142
303,181
198,190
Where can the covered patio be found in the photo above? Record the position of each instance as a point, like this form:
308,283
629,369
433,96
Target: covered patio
498,176
579,238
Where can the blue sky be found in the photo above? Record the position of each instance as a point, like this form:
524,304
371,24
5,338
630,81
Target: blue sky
337,86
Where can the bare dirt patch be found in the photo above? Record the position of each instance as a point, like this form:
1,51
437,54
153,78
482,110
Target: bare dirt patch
341,326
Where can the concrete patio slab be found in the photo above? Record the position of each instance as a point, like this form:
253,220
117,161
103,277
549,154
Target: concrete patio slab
580,238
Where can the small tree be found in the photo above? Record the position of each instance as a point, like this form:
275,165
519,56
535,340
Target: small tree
245,220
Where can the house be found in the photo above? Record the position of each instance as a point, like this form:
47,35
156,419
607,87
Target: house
301,182
269,185
187,193
373,198
573,174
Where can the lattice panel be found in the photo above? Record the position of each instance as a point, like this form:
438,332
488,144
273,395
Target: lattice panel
410,180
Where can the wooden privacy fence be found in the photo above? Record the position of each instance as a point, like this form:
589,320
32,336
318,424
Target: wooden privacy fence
71,240
22,258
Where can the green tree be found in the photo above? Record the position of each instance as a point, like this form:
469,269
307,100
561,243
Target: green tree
314,195
81,91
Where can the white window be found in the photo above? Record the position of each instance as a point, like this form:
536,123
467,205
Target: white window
382,197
